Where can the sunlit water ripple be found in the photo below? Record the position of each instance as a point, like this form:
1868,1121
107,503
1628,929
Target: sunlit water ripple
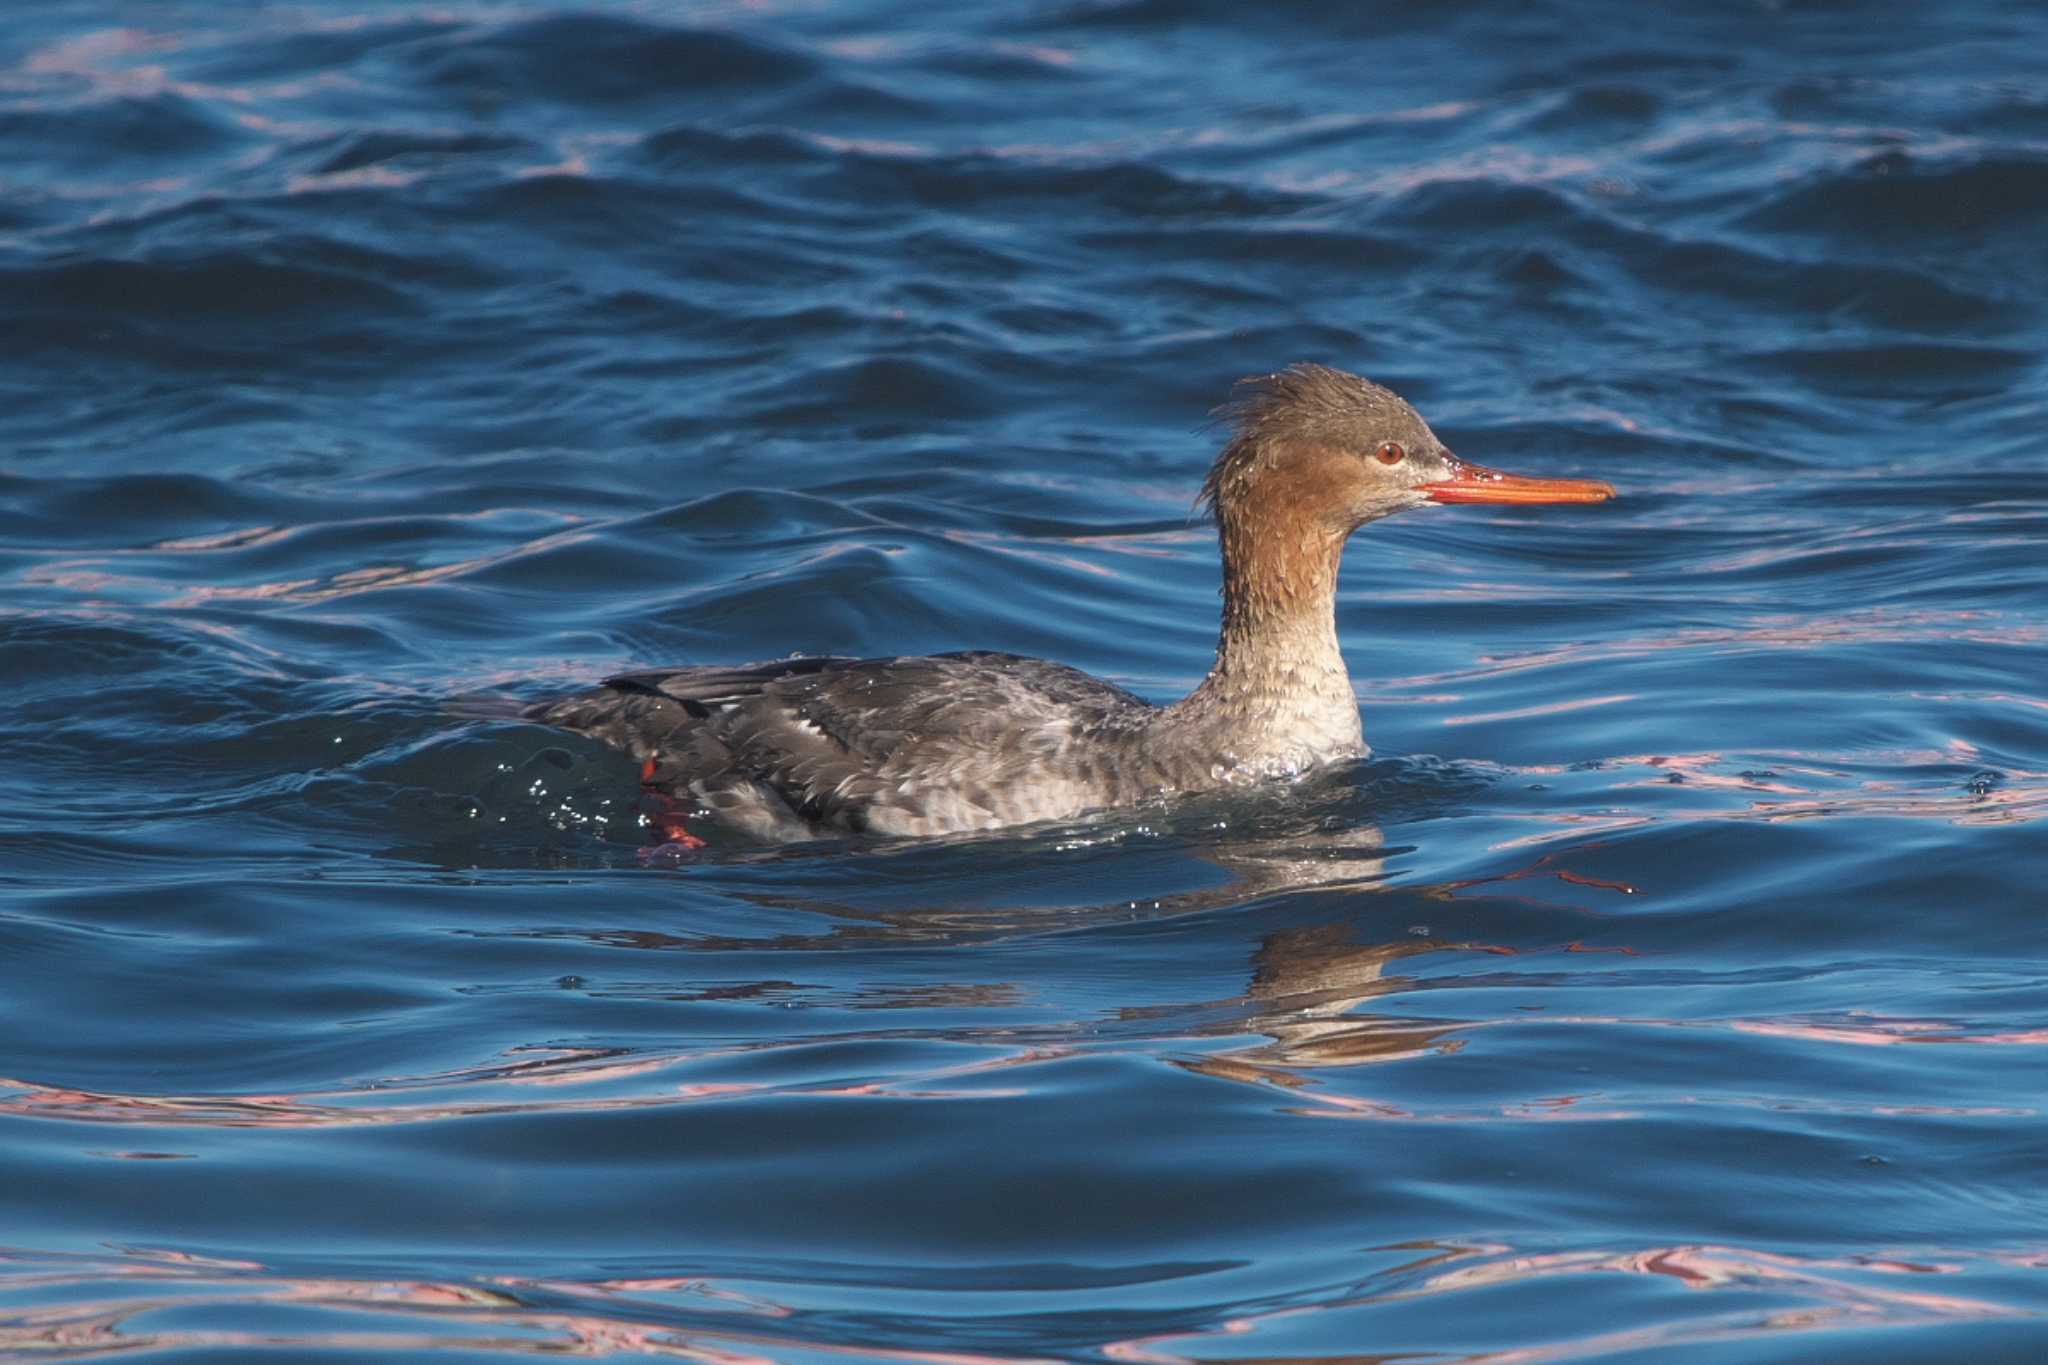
1668,986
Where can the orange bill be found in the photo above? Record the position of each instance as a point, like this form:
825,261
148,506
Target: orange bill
1477,483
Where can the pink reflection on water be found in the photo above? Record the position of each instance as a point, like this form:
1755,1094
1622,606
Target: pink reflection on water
1309,1043
1796,785
357,178
1704,770
1867,626
1979,698
92,575
1543,867
103,1316
462,1094
246,537
100,60
1550,709
1879,1032
1840,1293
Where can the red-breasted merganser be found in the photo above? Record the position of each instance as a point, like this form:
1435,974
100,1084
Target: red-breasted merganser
917,746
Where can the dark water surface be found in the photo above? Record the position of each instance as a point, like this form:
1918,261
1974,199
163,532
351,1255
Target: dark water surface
1672,985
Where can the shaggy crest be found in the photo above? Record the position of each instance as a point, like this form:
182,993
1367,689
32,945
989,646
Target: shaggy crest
1304,402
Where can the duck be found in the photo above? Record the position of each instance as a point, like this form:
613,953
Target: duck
828,746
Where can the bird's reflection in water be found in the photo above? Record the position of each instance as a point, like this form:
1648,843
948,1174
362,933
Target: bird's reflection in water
1331,922
1308,981
1306,990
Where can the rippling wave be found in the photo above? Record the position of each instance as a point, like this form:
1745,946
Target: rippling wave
1668,984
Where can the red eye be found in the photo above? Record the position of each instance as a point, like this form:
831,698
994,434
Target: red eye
1390,452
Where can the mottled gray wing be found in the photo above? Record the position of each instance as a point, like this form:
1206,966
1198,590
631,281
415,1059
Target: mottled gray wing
857,743
645,712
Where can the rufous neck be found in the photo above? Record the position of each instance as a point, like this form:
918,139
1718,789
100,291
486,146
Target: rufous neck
1279,635
1279,700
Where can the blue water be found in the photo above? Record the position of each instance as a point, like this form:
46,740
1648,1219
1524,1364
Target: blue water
1671,985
